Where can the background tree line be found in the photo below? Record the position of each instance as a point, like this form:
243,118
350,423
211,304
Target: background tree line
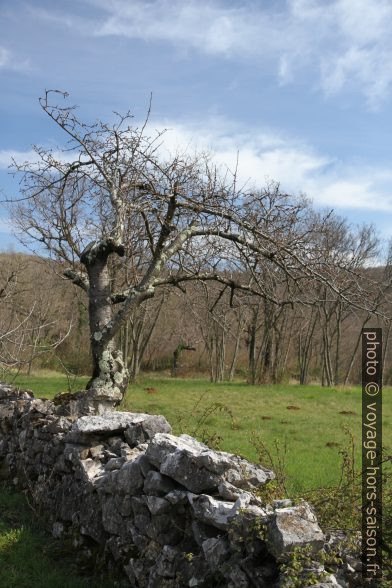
200,328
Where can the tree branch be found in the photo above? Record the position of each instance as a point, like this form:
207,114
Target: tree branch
77,278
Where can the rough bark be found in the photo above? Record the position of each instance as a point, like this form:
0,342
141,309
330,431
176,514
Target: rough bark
109,370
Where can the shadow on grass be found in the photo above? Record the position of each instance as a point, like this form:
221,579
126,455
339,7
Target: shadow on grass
26,560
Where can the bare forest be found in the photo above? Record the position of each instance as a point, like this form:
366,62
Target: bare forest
201,329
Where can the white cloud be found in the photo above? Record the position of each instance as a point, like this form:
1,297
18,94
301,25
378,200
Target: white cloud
341,43
8,155
299,168
264,155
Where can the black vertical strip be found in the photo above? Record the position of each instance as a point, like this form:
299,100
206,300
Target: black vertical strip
372,454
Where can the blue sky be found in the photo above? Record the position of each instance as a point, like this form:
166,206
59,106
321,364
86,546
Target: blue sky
302,89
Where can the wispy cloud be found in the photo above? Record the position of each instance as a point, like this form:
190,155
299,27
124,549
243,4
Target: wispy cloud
9,61
6,226
4,57
8,155
340,43
207,26
265,155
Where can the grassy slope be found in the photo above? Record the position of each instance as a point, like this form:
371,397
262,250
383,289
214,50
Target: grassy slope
262,409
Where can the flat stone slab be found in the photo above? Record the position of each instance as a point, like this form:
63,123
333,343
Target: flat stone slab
138,426
107,423
199,468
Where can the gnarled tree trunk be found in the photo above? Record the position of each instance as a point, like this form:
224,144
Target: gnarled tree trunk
109,370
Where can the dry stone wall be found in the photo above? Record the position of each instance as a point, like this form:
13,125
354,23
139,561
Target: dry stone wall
166,510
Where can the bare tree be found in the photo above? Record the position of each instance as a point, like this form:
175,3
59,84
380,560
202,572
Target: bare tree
113,194
26,329
307,322
137,332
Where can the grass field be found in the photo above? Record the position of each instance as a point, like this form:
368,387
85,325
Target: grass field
309,420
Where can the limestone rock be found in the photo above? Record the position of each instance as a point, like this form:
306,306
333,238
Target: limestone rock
292,527
144,429
199,468
112,519
157,484
145,465
230,492
109,422
285,503
216,551
166,529
97,451
211,511
158,505
91,469
129,479
114,463
202,532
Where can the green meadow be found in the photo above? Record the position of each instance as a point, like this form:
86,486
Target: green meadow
305,427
